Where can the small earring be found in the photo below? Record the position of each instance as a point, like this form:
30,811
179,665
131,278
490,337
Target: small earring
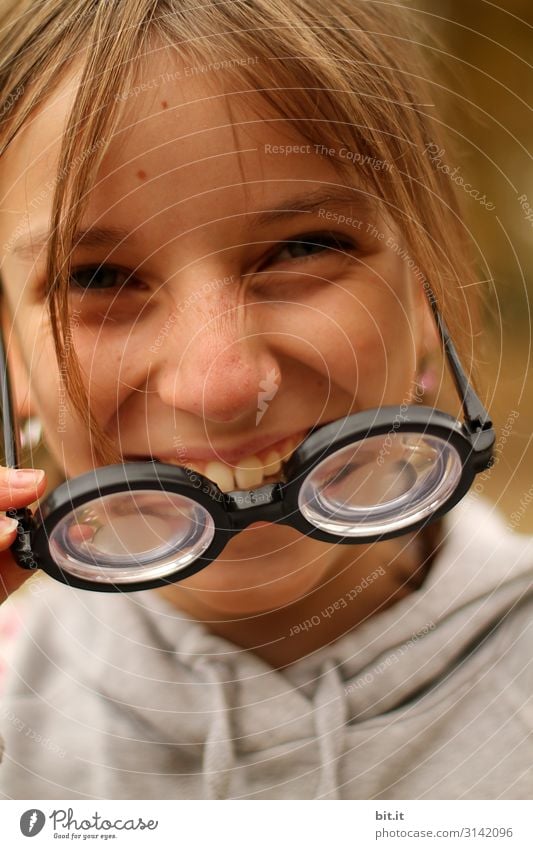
427,380
31,433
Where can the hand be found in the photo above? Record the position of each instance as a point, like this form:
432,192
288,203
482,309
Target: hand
18,488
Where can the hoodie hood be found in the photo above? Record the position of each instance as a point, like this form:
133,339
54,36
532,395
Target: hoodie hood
140,689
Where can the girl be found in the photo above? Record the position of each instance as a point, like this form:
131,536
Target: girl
219,231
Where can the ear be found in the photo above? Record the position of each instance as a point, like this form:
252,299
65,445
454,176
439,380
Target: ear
428,335
18,371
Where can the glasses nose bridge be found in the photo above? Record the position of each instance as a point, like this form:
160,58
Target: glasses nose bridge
264,504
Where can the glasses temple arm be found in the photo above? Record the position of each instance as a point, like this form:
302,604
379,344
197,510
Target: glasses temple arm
476,415
10,432
22,547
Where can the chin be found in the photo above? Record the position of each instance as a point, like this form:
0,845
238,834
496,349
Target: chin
262,569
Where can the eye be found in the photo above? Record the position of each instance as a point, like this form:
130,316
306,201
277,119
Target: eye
93,277
309,245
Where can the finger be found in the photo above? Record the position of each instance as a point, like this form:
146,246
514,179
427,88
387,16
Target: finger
20,487
11,575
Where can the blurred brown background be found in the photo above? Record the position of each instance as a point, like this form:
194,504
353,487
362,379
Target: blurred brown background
483,70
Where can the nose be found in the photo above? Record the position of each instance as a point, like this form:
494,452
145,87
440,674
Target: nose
216,362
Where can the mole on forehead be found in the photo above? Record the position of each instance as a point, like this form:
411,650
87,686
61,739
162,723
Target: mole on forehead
141,174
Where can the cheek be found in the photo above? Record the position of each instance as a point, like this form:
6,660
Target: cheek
64,439
114,363
363,345
101,360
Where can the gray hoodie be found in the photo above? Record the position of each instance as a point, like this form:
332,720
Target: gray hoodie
124,697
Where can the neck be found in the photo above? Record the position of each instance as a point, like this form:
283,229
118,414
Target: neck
362,581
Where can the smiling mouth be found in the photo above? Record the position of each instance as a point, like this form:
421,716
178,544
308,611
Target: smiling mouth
263,467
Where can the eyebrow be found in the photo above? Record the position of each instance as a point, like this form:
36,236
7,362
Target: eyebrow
90,237
310,202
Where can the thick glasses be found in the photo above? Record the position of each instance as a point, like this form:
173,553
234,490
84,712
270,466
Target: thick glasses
363,478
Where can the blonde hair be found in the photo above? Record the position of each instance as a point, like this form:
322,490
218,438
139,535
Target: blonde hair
344,73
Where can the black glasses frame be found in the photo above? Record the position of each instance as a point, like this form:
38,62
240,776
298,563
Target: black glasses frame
277,502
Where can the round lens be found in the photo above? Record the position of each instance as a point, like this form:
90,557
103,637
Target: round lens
380,484
131,536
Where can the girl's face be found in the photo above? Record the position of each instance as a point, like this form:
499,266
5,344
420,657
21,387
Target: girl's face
232,337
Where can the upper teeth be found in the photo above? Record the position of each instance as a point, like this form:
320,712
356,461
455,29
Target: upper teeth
249,472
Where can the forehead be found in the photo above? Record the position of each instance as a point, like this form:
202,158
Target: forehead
189,151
